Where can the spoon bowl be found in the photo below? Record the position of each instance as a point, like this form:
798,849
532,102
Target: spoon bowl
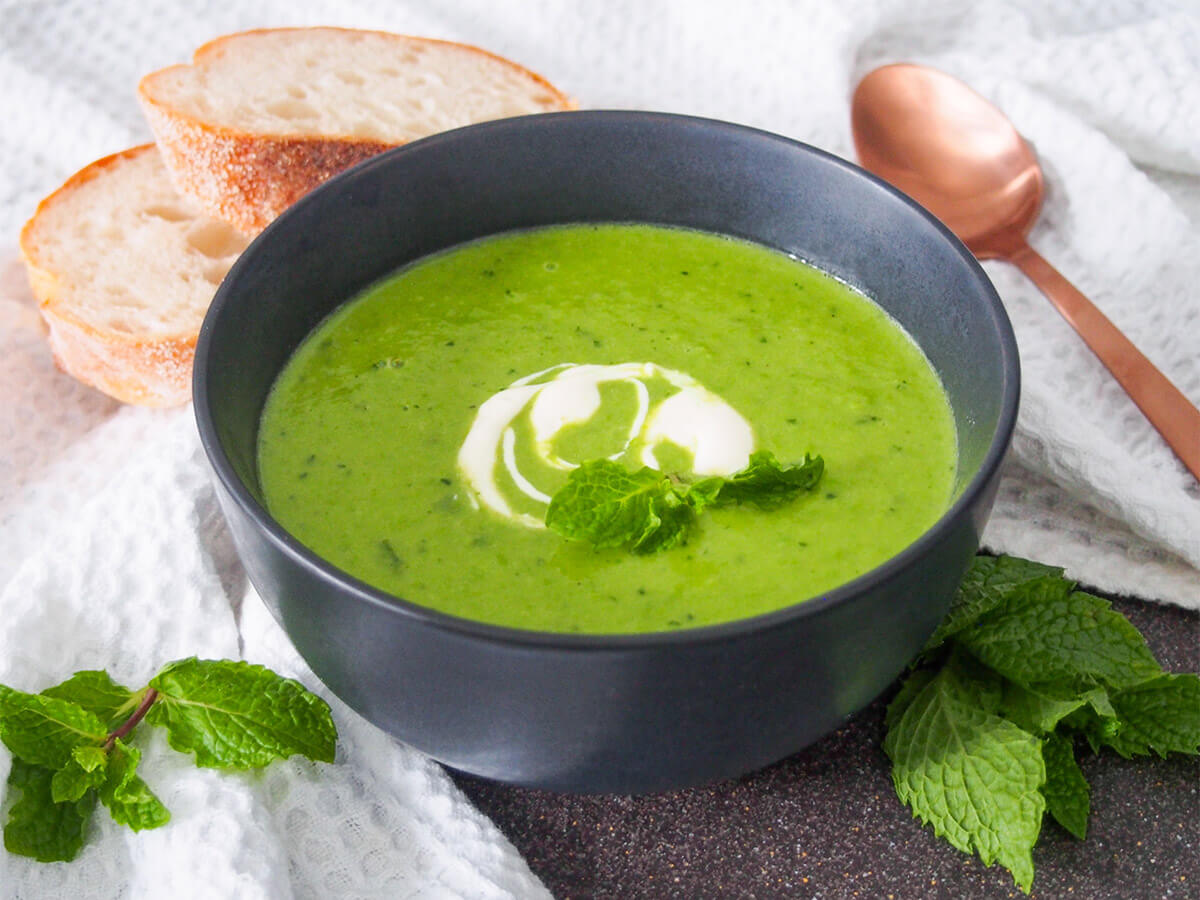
950,150
956,154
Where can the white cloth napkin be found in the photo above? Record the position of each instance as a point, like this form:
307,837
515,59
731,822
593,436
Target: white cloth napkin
112,551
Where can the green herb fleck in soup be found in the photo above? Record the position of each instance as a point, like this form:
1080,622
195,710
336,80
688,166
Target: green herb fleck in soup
417,437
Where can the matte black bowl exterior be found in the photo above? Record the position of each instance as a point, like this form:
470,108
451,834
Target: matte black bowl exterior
628,713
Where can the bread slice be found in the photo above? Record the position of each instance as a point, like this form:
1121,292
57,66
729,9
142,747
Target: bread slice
124,269
261,117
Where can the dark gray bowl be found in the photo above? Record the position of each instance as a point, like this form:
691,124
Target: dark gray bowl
626,713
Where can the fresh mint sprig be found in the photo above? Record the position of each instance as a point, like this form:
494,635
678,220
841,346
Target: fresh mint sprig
983,731
646,511
70,743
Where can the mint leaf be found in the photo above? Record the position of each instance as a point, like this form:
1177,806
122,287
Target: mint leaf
1161,715
704,493
609,506
1100,729
767,483
42,730
647,511
1029,658
1098,700
909,691
975,683
37,826
1040,709
128,799
986,584
85,770
1068,797
237,715
95,691
1045,632
974,776
671,523
229,714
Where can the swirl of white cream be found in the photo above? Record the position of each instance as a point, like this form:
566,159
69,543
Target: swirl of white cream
692,417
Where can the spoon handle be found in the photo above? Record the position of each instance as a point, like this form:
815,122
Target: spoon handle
1168,410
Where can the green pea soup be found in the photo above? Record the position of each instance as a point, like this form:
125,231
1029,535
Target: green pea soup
414,437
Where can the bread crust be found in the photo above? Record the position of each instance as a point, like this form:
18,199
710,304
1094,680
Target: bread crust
148,371
152,372
247,179
243,179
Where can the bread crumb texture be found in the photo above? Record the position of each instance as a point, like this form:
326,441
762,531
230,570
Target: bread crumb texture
124,269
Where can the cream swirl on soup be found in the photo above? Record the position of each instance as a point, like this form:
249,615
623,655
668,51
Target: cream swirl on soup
515,444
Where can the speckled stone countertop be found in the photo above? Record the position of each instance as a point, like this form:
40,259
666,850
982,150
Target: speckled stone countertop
826,823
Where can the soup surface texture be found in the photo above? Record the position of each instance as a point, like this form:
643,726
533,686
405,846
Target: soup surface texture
415,437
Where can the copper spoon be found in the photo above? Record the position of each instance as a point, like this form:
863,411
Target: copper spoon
957,155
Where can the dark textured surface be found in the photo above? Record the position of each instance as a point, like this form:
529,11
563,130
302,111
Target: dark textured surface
826,823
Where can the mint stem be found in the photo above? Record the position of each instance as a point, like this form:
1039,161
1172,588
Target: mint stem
129,724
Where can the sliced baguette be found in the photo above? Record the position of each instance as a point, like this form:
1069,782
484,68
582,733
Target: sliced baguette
261,117
124,269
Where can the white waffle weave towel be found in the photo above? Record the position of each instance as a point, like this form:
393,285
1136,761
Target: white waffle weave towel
113,554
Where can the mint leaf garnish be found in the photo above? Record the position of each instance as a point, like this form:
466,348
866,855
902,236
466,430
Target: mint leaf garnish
86,769
1068,797
607,505
70,743
44,730
1022,664
705,493
974,776
1039,710
37,826
669,525
985,586
909,691
767,483
1098,728
1045,632
1160,715
128,799
96,692
236,715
